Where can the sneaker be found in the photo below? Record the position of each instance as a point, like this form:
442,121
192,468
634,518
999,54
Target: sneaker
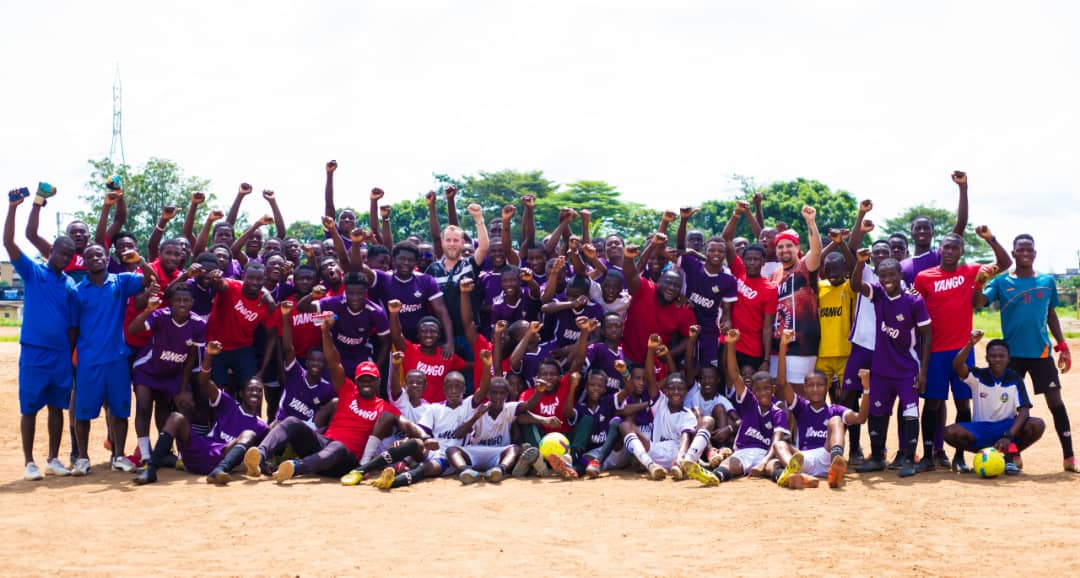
528,455
897,460
218,477
656,472
354,477
794,466
54,468
136,458
694,471
1070,464
908,468
927,464
592,471
468,476
285,471
959,466
33,474
171,460
559,466
253,463
941,460
494,475
1011,469
717,457
122,464
147,476
676,473
871,465
837,469
856,458
81,467
1019,461
540,466
386,478
179,464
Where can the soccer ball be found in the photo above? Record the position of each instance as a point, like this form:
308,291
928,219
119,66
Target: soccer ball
989,463
556,444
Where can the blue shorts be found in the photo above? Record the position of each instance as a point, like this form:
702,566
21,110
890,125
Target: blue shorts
987,433
100,383
940,376
44,379
240,361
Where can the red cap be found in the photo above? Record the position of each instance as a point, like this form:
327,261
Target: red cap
367,368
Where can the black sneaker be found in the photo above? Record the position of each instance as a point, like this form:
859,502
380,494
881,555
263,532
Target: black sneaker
147,476
907,468
959,466
168,461
871,465
897,460
942,460
856,458
926,464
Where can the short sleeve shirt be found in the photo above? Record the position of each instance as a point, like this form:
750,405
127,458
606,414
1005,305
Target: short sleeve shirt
948,297
51,305
101,317
1025,303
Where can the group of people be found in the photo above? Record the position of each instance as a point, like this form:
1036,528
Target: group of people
357,357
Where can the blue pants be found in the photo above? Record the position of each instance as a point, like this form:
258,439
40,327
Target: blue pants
101,383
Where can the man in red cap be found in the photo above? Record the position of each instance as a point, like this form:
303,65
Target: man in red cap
797,305
360,422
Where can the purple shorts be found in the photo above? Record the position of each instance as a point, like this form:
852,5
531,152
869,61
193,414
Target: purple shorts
201,454
167,384
884,391
708,347
860,358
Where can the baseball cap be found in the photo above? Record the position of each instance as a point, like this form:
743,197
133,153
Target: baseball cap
367,368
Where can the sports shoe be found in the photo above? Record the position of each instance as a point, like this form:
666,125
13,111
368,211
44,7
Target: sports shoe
218,477
179,464
136,458
121,464
386,478
81,467
694,471
676,473
1070,464
54,468
285,471
897,460
1015,453
592,471
837,469
959,466
468,476
525,461
927,464
794,466
540,466
717,457
908,468
1011,469
32,474
657,472
147,476
354,477
856,458
170,460
561,467
941,460
253,463
494,475
871,465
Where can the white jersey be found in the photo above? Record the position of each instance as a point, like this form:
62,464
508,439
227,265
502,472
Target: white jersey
668,426
695,400
494,431
418,414
445,420
863,327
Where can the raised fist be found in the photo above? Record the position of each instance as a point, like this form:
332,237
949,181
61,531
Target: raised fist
866,205
356,235
976,336
245,189
267,220
501,325
687,212
694,331
168,212
397,357
153,303
286,307
393,306
216,215
318,292
467,285
331,166
732,335
984,232
198,198
809,213
430,198
384,212
377,194
787,336
130,256
620,366
508,212
525,274
528,201
863,255
668,216
659,239
111,198
867,225
535,327
328,222
476,211
631,251
450,192
485,357
268,194
654,341
959,177
213,348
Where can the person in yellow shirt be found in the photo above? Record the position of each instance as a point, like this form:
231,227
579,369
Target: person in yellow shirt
836,306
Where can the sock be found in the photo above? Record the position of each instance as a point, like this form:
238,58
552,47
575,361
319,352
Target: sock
394,454
929,427
836,451
698,445
910,427
232,458
408,478
144,447
370,449
1061,424
161,450
879,424
776,473
635,447
939,431
722,473
609,442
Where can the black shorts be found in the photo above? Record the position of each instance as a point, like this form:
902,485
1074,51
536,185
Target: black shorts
1044,374
744,359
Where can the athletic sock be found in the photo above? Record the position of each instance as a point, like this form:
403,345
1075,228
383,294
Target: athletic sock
144,447
232,458
161,450
929,428
1061,424
635,447
408,478
836,451
609,442
370,449
939,428
910,427
394,454
698,445
879,424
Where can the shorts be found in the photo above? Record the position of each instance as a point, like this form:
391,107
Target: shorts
439,457
102,383
798,367
832,367
816,462
201,454
940,376
884,391
664,453
708,346
484,457
749,457
1044,374
860,358
44,379
240,361
987,432
744,359
169,385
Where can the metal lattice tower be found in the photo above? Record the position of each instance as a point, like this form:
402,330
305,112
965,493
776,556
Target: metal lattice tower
117,145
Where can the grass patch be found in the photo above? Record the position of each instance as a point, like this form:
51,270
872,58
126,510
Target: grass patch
9,338
989,322
10,323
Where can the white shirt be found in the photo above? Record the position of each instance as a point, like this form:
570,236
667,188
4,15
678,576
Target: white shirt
668,426
489,431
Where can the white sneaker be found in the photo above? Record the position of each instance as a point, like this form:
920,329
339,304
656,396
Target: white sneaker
81,467
32,474
54,468
122,464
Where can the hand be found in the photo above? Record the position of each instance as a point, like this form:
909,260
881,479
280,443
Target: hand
1064,360
535,327
686,212
508,212
985,273
268,220
581,301
485,357
318,292
215,215
450,192
867,226
659,239
130,256
384,212
447,349
582,323
326,321
467,285
866,206
268,195
500,326
154,288
168,212
742,207
809,213
575,378
525,274
959,177
377,193
574,243
194,271
620,366
552,422
528,201
662,351
331,166
213,348
1002,445
976,336
153,303
397,358
476,211
864,378
631,252
920,382
245,189
654,341
585,214
286,307
393,306
589,250
198,198
430,198
357,235
694,331
732,335
863,255
787,336
668,217
15,197
984,233
758,197
328,222
835,236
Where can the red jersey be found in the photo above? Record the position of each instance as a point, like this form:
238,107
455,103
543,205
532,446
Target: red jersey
948,299
757,298
305,334
647,316
552,404
433,366
76,264
234,317
482,344
355,417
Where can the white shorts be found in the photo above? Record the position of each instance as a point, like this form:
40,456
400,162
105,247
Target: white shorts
484,457
798,366
816,462
748,458
439,456
664,453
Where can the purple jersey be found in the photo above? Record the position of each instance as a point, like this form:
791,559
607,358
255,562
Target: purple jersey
161,362
600,356
912,266
565,322
530,363
301,399
705,292
115,266
643,418
354,331
894,343
525,309
230,420
204,298
283,291
601,415
757,427
414,293
814,423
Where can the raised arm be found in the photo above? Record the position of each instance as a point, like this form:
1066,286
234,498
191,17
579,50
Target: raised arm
862,225
586,216
586,326
138,325
960,178
575,382
237,247
959,363
168,212
566,216
100,236
339,245
197,198
1003,261
482,240
813,258
333,357
386,235
451,205
852,418
654,348
328,195
44,247
512,257
731,365
234,210
552,286
518,354
393,313
691,354
758,217
204,234
684,217
433,224
279,219
13,251
373,214
857,273
468,322
528,224
588,250
666,218
287,349
786,393
397,359
497,353
209,388
485,376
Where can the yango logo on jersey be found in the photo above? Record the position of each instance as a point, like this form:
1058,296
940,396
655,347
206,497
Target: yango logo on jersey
890,331
368,414
432,370
949,284
549,408
816,433
173,357
746,291
701,300
245,312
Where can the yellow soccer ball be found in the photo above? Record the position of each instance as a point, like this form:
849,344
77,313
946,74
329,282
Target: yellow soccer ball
989,463
556,444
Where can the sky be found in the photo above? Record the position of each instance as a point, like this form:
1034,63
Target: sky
665,100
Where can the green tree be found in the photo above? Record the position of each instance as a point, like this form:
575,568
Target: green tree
158,183
975,249
493,190
305,231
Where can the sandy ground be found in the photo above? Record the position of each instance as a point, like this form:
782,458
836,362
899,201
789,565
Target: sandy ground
938,523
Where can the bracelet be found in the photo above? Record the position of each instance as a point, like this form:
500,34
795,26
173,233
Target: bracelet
40,200
1061,347
159,228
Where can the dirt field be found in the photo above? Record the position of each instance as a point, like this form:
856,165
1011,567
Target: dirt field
937,523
